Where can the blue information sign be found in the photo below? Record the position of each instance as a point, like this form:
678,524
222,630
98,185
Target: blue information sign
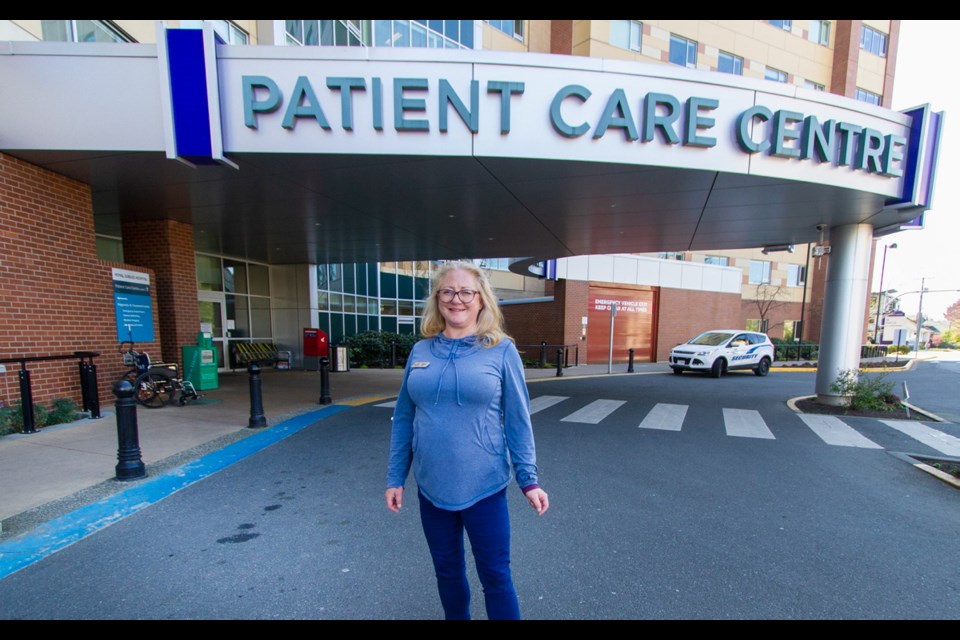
133,306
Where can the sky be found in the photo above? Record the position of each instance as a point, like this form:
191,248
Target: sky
930,253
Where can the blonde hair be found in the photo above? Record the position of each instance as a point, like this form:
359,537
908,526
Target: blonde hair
489,321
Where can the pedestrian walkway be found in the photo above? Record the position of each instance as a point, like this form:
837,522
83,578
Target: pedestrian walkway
740,423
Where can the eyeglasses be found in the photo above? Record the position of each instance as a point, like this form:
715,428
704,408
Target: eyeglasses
447,295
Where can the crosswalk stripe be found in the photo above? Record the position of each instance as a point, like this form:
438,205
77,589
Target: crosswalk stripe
544,402
745,423
388,405
667,417
594,412
942,442
834,431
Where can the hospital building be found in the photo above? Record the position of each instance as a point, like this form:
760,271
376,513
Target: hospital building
263,180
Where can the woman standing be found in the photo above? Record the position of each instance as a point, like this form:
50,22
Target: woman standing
462,418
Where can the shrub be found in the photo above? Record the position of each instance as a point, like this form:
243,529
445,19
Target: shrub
60,411
372,348
866,392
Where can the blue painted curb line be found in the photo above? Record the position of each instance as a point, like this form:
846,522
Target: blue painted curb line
61,532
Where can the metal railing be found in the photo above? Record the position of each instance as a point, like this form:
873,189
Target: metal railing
810,351
543,353
88,384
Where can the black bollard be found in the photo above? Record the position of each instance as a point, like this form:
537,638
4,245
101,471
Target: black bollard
543,354
129,464
92,400
630,365
325,381
257,419
559,363
26,400
393,354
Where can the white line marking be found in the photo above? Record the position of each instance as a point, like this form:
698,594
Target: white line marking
835,431
545,402
746,423
594,412
942,442
667,417
388,405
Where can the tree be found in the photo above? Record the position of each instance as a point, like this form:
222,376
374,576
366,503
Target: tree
953,316
768,299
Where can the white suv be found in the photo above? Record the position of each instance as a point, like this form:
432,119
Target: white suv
724,350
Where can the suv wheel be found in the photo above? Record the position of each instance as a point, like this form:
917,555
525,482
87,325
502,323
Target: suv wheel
763,368
719,368
677,370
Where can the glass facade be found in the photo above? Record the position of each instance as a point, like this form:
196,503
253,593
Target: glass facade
234,302
386,296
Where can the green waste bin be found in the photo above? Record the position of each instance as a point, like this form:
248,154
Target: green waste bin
200,363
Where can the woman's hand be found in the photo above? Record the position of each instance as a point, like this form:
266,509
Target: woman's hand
538,500
394,497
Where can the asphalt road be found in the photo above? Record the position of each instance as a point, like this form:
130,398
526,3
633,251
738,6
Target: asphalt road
714,519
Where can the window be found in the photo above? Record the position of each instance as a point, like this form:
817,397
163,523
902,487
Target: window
757,324
432,34
775,74
510,27
82,31
791,330
759,272
109,248
497,264
873,41
683,52
796,275
670,255
730,63
786,25
819,32
626,34
814,86
228,32
722,261
867,96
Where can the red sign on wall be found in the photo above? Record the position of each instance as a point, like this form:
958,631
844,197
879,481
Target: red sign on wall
633,326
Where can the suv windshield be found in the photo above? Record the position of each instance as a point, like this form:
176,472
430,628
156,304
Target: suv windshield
711,338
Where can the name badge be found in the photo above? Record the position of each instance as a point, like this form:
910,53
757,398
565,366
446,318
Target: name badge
420,365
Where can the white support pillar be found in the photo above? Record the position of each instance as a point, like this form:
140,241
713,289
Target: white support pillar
844,305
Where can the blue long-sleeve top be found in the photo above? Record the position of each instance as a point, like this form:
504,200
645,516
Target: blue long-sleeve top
461,419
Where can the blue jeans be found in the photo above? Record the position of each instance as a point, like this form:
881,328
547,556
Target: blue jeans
488,525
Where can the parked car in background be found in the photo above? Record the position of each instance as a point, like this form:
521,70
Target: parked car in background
721,350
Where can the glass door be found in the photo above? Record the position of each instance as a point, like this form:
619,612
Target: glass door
213,320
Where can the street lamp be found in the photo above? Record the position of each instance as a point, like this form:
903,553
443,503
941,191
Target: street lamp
919,316
883,265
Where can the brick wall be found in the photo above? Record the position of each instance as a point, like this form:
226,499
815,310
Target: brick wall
166,247
561,36
56,297
557,322
684,314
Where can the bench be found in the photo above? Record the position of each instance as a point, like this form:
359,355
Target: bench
259,352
